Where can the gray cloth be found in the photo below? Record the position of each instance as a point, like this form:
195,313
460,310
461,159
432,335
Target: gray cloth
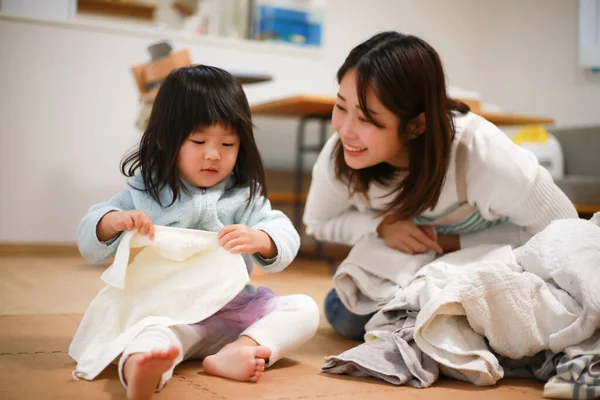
404,304
578,372
394,358
541,366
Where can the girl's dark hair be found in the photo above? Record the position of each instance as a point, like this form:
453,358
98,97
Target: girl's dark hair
189,99
406,75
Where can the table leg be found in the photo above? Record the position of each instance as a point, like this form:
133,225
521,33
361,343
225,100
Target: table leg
300,150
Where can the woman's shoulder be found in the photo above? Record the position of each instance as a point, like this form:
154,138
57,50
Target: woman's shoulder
475,123
490,151
329,146
481,136
326,155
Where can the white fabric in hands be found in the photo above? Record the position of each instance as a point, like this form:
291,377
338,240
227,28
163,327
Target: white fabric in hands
181,277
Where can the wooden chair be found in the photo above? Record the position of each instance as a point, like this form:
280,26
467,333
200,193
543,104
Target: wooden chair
148,76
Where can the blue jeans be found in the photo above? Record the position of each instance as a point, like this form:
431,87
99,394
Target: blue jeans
349,325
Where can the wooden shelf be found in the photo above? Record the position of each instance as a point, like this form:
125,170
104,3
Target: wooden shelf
502,119
296,106
319,105
119,8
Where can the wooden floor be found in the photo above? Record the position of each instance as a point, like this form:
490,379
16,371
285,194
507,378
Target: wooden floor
42,300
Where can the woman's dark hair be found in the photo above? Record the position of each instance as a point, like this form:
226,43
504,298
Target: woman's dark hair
406,75
189,99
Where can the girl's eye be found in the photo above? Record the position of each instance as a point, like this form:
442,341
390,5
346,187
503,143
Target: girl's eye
198,142
361,119
228,144
340,107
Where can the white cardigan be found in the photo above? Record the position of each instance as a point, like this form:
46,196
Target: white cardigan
502,179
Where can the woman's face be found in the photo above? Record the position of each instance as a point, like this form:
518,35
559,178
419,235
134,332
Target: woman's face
366,144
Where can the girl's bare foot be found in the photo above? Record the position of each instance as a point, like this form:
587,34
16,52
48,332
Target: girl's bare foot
238,362
143,371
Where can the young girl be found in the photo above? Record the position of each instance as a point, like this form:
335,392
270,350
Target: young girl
417,168
198,167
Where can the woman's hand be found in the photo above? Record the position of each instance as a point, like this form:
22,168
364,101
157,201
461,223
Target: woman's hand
241,239
408,237
114,222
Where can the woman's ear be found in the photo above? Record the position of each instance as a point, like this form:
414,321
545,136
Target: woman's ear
416,126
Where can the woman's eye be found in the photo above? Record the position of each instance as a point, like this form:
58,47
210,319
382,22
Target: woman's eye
228,144
361,119
198,142
340,107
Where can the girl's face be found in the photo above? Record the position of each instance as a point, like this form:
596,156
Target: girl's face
364,143
208,155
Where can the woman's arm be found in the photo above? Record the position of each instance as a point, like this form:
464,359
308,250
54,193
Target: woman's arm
329,215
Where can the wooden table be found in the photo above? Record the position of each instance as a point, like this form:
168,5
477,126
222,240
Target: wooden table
303,105
587,209
309,107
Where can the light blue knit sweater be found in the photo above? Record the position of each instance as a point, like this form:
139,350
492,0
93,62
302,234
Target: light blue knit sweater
205,209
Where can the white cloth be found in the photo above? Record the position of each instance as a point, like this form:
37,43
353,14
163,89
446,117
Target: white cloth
461,304
293,321
406,302
181,277
567,253
373,273
502,180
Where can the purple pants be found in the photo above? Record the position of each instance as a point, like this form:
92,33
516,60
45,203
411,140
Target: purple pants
237,315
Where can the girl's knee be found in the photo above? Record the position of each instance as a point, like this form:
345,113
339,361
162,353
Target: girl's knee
307,310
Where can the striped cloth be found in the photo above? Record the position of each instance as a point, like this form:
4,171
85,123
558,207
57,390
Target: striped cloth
577,378
473,222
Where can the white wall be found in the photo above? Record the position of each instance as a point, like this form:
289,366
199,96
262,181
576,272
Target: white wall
520,55
68,102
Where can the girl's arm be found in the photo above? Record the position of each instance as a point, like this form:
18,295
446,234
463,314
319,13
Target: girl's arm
283,239
329,215
505,180
89,245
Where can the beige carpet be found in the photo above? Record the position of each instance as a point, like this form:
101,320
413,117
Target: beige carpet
42,300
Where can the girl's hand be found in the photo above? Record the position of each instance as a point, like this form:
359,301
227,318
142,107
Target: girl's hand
408,237
241,239
118,221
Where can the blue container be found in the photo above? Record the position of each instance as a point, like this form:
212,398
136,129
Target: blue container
286,25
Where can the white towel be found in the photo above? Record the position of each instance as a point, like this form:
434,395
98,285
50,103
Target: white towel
406,300
372,274
183,276
567,253
517,312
